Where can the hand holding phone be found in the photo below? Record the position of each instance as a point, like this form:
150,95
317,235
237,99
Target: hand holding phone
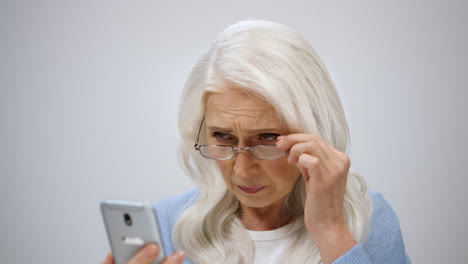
142,257
133,233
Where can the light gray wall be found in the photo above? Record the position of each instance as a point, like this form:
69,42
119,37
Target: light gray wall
89,99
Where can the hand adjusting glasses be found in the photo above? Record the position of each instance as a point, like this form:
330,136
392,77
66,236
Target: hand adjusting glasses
223,152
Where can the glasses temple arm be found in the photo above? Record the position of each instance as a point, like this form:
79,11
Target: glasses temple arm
199,131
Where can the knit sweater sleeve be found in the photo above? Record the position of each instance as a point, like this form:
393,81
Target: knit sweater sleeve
385,242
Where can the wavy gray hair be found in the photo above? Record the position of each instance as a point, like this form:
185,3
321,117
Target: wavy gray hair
276,63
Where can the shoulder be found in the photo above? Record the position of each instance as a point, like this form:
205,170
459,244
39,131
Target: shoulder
384,219
382,210
168,211
385,239
174,204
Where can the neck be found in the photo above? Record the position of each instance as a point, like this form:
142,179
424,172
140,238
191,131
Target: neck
265,218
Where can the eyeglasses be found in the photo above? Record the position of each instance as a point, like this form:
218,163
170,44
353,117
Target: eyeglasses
223,152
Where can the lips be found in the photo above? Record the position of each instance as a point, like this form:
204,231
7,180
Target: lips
251,190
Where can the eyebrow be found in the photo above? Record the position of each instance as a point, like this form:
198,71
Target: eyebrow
248,131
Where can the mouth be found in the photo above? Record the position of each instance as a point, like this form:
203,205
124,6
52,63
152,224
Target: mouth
251,190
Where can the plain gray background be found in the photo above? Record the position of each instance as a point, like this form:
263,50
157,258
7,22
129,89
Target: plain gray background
90,92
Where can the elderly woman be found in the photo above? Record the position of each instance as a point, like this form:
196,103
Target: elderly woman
264,138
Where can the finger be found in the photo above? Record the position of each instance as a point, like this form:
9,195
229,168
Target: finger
307,164
109,259
285,142
175,258
145,255
311,147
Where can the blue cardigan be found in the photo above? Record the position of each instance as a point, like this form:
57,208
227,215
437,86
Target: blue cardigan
384,244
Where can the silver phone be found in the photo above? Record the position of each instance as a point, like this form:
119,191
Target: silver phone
130,226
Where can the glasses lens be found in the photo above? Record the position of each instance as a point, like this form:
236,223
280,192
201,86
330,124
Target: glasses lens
217,152
267,152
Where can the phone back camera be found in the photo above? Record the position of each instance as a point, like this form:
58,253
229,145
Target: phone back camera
127,219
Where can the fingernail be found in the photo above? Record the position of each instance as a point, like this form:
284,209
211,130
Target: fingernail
280,138
151,250
178,255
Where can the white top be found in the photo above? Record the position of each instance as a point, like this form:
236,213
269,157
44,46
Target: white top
270,245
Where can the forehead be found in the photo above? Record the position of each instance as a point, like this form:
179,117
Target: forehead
225,106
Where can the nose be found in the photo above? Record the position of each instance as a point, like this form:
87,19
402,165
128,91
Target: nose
243,164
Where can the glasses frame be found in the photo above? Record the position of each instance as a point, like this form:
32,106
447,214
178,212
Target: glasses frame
233,149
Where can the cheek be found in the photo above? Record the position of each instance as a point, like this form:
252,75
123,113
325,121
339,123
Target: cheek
225,167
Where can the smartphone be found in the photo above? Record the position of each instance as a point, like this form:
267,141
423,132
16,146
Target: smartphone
130,226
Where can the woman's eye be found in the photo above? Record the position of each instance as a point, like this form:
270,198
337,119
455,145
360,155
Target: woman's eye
222,136
268,136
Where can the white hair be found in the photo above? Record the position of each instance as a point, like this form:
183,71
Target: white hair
277,64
